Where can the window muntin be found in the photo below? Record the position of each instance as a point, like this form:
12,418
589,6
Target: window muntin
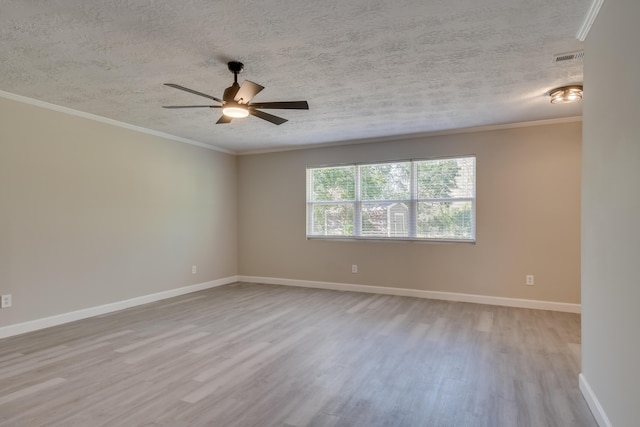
405,200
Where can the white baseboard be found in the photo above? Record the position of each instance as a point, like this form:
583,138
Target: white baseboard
447,296
47,322
594,403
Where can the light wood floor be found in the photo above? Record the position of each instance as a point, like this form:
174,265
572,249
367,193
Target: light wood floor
262,355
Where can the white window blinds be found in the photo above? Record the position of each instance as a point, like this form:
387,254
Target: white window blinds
407,200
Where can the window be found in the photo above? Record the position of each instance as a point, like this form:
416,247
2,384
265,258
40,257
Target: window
406,200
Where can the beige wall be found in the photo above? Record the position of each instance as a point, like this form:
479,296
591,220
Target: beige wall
528,218
611,211
92,213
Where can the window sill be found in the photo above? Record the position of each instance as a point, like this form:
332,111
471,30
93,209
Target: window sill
389,239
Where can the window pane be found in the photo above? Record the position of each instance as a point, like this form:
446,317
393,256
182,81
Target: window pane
389,181
332,220
333,184
385,219
445,220
446,178
466,180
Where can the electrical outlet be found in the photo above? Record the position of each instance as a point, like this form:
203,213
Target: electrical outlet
354,268
194,269
529,280
5,301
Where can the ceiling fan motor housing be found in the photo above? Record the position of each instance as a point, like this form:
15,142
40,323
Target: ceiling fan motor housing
230,92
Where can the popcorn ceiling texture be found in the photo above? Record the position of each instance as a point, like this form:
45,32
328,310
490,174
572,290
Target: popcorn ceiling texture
369,68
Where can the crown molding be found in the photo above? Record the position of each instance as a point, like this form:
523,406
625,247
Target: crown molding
414,136
77,113
589,19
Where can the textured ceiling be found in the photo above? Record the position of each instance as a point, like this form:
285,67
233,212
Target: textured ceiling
368,68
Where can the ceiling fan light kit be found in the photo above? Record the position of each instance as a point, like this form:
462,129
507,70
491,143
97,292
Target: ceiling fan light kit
237,111
566,94
236,100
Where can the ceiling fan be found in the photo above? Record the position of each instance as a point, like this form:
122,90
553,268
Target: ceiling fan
236,100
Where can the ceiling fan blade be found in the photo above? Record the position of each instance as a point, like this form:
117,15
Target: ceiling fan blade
195,92
290,105
192,106
268,117
223,119
247,91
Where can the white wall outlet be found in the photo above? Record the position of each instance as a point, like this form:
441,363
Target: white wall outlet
5,301
354,268
194,269
529,280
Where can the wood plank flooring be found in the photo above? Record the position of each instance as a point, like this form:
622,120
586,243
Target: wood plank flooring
264,355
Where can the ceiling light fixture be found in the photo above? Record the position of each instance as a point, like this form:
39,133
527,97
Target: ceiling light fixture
237,111
566,94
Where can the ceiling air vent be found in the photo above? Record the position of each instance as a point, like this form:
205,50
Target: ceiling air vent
570,56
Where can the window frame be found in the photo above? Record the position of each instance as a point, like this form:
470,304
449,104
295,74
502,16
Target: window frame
412,203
